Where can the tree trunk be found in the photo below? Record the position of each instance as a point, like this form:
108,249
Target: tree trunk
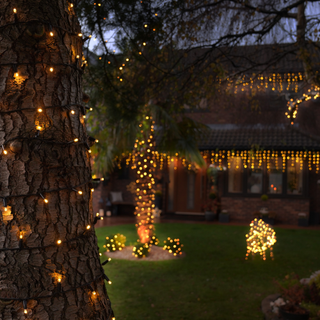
43,168
144,163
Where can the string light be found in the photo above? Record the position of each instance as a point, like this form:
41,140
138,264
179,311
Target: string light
261,237
25,307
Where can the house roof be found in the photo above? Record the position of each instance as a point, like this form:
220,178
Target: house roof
278,58
235,137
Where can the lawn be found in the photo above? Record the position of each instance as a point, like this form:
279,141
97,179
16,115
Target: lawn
213,280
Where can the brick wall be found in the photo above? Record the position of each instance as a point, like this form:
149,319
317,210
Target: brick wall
242,209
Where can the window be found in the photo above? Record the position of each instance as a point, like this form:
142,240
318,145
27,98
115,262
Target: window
255,177
275,176
294,176
267,176
235,175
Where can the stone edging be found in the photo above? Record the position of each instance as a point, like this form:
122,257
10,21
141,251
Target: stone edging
266,309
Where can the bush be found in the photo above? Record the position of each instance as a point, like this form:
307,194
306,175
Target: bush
174,246
154,241
212,195
300,293
141,250
115,242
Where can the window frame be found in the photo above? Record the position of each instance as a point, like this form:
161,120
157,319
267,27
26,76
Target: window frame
284,193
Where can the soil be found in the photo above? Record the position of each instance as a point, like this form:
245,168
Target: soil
156,253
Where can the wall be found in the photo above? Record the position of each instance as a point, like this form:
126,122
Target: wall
242,208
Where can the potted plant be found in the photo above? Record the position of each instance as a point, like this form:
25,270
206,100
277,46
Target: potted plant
224,216
264,211
302,220
299,296
209,215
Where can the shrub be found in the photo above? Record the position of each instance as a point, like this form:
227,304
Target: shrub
154,241
158,193
291,289
174,246
300,293
212,195
115,242
141,250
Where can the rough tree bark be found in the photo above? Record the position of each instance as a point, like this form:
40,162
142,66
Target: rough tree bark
47,162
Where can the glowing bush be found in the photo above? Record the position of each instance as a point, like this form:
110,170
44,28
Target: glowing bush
261,237
115,242
141,250
174,246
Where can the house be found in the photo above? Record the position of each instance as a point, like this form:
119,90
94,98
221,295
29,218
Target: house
251,133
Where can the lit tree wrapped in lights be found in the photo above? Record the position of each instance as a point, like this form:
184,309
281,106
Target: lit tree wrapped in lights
50,266
144,164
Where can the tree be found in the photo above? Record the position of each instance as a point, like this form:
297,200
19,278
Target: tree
177,53
50,267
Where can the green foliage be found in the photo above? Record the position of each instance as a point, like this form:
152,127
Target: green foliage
154,241
316,281
313,309
174,246
115,242
212,195
291,289
141,250
295,292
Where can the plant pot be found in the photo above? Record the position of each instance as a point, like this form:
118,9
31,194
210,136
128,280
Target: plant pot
286,315
225,218
268,220
303,222
209,216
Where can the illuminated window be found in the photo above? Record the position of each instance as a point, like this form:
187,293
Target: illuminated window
275,176
294,176
255,177
235,175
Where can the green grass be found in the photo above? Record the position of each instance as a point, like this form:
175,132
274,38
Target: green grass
213,280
